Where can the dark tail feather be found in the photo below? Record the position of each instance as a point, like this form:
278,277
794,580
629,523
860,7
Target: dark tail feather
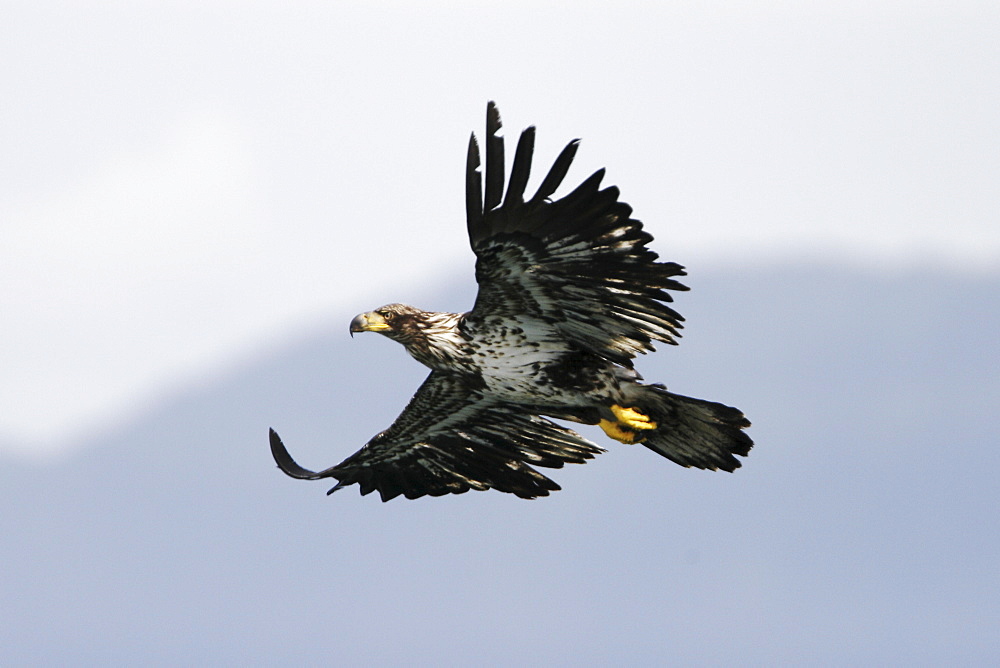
694,432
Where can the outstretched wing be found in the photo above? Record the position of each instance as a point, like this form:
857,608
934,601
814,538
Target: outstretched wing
579,263
450,439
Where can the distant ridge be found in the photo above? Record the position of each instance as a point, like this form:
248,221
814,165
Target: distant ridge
873,400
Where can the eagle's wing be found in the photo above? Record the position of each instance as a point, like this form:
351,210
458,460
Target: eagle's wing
450,439
580,262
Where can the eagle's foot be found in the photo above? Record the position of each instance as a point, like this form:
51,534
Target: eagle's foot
632,418
627,425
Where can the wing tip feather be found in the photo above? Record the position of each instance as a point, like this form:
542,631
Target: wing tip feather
495,165
284,459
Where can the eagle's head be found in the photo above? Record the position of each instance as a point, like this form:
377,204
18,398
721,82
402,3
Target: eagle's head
397,321
432,338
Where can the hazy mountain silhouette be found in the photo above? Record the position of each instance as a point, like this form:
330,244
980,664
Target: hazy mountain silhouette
862,527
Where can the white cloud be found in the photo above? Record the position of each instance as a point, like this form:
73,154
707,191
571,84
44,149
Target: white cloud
103,279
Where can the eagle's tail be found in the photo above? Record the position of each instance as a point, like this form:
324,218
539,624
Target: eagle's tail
693,432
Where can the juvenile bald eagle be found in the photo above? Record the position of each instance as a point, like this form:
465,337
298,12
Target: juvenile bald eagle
568,295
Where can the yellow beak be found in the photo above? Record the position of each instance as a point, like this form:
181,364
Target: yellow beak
368,322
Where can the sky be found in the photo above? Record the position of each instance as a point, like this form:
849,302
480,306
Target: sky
860,530
185,185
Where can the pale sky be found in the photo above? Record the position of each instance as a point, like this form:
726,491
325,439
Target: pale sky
186,185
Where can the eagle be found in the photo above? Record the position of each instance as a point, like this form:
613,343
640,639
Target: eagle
569,294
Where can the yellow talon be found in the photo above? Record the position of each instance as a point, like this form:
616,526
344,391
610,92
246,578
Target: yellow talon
615,431
624,427
632,418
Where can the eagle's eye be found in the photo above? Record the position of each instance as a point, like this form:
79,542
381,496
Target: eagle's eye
388,315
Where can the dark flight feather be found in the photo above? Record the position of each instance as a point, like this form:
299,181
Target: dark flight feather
521,169
495,167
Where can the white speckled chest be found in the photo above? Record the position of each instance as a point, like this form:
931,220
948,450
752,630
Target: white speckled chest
512,354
